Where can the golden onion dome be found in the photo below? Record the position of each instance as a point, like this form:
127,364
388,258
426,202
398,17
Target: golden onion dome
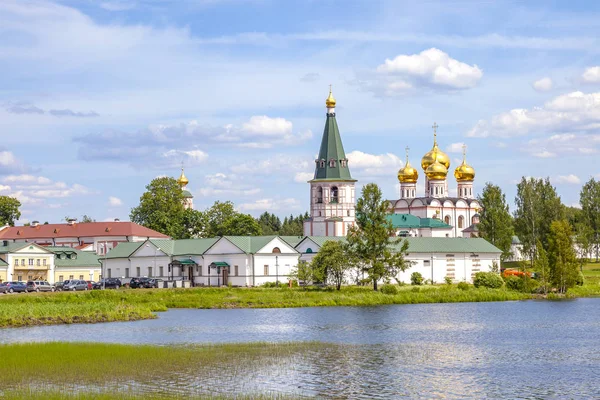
182,181
464,172
330,101
408,174
435,153
436,171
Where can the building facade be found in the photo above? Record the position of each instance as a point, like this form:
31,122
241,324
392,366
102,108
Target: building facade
332,191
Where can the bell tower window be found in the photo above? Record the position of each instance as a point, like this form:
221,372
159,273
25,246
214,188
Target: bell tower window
322,164
319,194
332,163
334,194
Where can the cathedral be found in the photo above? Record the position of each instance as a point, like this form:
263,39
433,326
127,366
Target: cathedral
435,214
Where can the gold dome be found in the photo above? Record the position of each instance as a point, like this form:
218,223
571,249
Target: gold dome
408,174
464,172
182,181
436,171
330,101
435,154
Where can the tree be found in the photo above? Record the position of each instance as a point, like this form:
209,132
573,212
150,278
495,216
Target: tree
195,224
561,256
537,206
218,217
495,223
161,207
304,272
584,240
241,225
86,218
9,210
270,224
589,198
541,266
370,240
332,262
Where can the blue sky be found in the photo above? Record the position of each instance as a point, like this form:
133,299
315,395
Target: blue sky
100,97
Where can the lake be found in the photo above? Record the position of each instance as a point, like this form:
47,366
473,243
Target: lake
529,349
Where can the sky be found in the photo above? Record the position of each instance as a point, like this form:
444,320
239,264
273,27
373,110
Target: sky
97,98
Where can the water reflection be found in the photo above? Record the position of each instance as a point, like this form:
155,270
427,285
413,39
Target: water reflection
484,350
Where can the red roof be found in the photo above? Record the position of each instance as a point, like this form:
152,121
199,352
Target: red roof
87,229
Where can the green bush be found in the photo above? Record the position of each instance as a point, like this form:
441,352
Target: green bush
416,289
463,286
389,289
488,279
579,281
448,280
523,284
416,278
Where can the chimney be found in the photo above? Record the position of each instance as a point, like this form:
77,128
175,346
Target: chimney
71,221
35,223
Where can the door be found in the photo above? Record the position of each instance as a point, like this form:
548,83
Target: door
225,276
191,275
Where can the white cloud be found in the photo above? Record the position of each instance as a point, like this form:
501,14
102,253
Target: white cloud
563,143
117,5
263,125
431,67
220,184
591,75
369,165
30,189
576,111
543,85
303,177
286,205
569,179
455,147
278,163
544,154
114,201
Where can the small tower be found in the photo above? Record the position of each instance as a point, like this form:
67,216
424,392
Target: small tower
332,190
408,177
432,162
188,199
465,175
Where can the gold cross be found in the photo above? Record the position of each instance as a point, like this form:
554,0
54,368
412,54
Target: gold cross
330,88
407,149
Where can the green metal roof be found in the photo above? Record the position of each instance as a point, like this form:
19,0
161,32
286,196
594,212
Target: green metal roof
220,264
332,148
3,263
400,221
164,245
184,247
186,261
320,240
187,194
12,247
83,259
292,240
449,245
123,250
250,244
515,240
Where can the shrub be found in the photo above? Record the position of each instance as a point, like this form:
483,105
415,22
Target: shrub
464,286
416,289
488,280
580,279
416,278
389,289
521,284
448,280
513,283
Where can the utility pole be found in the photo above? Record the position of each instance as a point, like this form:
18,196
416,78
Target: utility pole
277,269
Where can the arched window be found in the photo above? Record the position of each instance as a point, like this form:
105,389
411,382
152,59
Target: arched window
447,219
475,219
334,194
276,250
461,221
322,164
332,163
309,250
319,194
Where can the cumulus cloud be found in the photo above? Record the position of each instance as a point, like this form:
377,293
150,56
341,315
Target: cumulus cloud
9,164
568,179
71,113
303,177
564,143
431,68
455,147
37,190
230,185
369,165
114,201
576,111
287,205
591,75
543,85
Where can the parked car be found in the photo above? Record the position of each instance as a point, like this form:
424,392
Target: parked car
154,283
16,287
137,283
108,283
4,287
90,284
75,284
39,286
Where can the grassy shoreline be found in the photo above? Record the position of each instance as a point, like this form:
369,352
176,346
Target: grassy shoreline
137,304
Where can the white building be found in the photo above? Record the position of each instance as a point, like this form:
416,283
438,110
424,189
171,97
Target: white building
460,212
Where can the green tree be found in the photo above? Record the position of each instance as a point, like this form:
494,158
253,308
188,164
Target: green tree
561,256
293,226
495,224
241,225
218,217
332,262
195,224
541,267
9,210
537,206
589,198
86,218
270,224
584,239
304,273
371,240
161,207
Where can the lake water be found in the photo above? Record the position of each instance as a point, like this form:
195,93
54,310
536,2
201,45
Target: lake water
530,349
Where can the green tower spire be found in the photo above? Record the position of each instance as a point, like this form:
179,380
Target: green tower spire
332,164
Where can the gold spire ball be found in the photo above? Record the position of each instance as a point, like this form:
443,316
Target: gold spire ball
464,172
436,171
435,154
408,174
330,101
182,181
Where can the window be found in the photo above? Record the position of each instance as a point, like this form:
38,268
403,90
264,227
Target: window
309,250
199,270
447,219
126,272
137,270
474,219
61,278
108,273
319,194
71,277
334,194
461,221
332,163
80,277
344,163
16,262
236,270
322,164
348,212
20,278
22,261
29,277
161,271
266,270
426,263
276,250
149,272
44,262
